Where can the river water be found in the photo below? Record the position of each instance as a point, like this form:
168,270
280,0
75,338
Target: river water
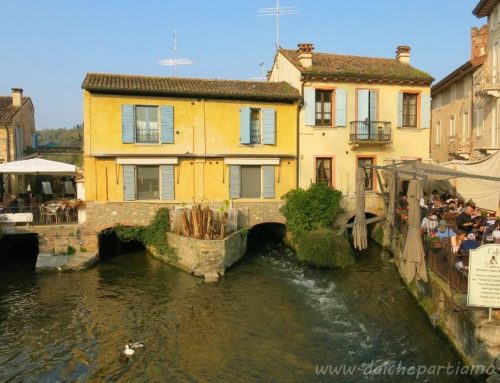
268,320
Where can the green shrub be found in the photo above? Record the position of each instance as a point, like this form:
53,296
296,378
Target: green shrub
324,248
153,235
318,206
70,250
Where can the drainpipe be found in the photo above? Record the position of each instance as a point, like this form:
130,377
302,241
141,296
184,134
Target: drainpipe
299,106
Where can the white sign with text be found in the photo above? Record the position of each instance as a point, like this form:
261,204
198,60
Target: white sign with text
484,277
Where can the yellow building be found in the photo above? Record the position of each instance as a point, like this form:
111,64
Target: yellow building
355,110
177,140
17,126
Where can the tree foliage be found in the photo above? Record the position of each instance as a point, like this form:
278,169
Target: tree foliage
310,209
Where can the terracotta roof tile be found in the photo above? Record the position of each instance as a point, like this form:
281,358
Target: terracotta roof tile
194,87
7,111
353,68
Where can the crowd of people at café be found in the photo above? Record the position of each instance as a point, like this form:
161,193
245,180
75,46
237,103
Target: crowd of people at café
446,216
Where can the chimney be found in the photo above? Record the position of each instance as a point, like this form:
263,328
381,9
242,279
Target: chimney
305,54
403,54
479,43
17,97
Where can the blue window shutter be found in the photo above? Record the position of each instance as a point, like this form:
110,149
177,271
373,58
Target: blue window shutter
425,113
234,181
167,182
310,105
400,110
269,126
363,112
128,124
245,115
129,182
373,105
167,124
268,181
340,107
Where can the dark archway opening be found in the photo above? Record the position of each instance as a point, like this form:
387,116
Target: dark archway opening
110,245
369,227
264,235
18,252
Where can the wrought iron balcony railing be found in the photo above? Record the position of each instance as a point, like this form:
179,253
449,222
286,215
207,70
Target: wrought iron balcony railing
370,132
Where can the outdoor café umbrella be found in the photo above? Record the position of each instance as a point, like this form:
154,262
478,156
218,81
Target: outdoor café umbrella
413,254
359,233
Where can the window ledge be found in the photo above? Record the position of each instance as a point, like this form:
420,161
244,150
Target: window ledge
147,145
254,145
326,127
409,128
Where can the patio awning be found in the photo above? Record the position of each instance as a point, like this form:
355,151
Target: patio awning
38,166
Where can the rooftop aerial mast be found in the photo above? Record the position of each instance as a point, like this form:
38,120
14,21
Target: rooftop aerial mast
175,61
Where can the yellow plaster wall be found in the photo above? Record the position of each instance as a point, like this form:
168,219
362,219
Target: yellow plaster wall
328,141
208,131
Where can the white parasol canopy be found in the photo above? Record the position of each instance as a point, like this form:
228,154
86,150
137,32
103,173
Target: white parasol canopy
38,166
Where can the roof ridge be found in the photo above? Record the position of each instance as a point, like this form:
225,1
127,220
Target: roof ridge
183,78
345,55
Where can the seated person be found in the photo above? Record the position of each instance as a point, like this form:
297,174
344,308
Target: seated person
436,203
464,220
460,206
429,222
469,244
444,232
452,207
461,235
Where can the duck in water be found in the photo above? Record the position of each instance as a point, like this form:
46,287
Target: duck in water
128,351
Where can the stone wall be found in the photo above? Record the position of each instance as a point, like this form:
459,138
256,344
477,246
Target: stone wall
467,328
208,258
103,215
57,238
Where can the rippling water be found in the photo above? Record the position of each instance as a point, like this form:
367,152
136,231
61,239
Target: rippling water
268,320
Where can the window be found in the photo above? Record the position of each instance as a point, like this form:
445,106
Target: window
452,126
438,133
465,127
323,108
324,170
362,161
146,124
255,126
148,182
466,86
250,182
410,110
479,122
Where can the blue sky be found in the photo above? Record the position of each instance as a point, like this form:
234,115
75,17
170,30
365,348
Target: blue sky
49,45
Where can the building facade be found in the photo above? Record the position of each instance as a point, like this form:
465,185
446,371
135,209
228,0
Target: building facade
356,110
486,136
17,126
459,112
174,141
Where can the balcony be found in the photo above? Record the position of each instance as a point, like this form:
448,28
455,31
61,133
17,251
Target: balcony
491,82
370,132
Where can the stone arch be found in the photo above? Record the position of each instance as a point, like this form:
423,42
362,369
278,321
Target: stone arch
266,232
108,243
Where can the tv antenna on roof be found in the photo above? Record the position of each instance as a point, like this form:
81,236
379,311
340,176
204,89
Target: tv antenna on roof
175,61
262,67
278,11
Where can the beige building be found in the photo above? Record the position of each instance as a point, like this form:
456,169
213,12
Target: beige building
486,130
355,110
17,125
458,109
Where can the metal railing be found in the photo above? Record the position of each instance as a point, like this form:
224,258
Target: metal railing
38,215
147,137
370,132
